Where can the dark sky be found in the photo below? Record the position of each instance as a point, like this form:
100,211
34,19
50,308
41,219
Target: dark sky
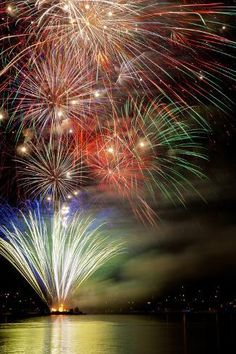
192,245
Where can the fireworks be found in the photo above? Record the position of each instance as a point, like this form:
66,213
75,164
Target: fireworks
53,257
75,65
53,89
177,50
148,151
49,170
108,95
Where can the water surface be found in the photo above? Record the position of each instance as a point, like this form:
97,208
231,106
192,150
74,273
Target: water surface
116,335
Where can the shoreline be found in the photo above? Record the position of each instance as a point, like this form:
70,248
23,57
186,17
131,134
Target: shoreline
166,316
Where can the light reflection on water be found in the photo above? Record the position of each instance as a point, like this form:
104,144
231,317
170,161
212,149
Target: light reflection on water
111,335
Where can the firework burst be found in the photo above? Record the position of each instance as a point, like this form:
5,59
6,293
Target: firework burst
72,55
177,50
49,170
52,89
53,257
147,148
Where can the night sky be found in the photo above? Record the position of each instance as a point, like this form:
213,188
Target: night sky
193,245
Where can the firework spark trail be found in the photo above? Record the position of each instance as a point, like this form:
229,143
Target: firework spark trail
68,57
171,44
53,257
79,52
52,88
147,148
50,170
